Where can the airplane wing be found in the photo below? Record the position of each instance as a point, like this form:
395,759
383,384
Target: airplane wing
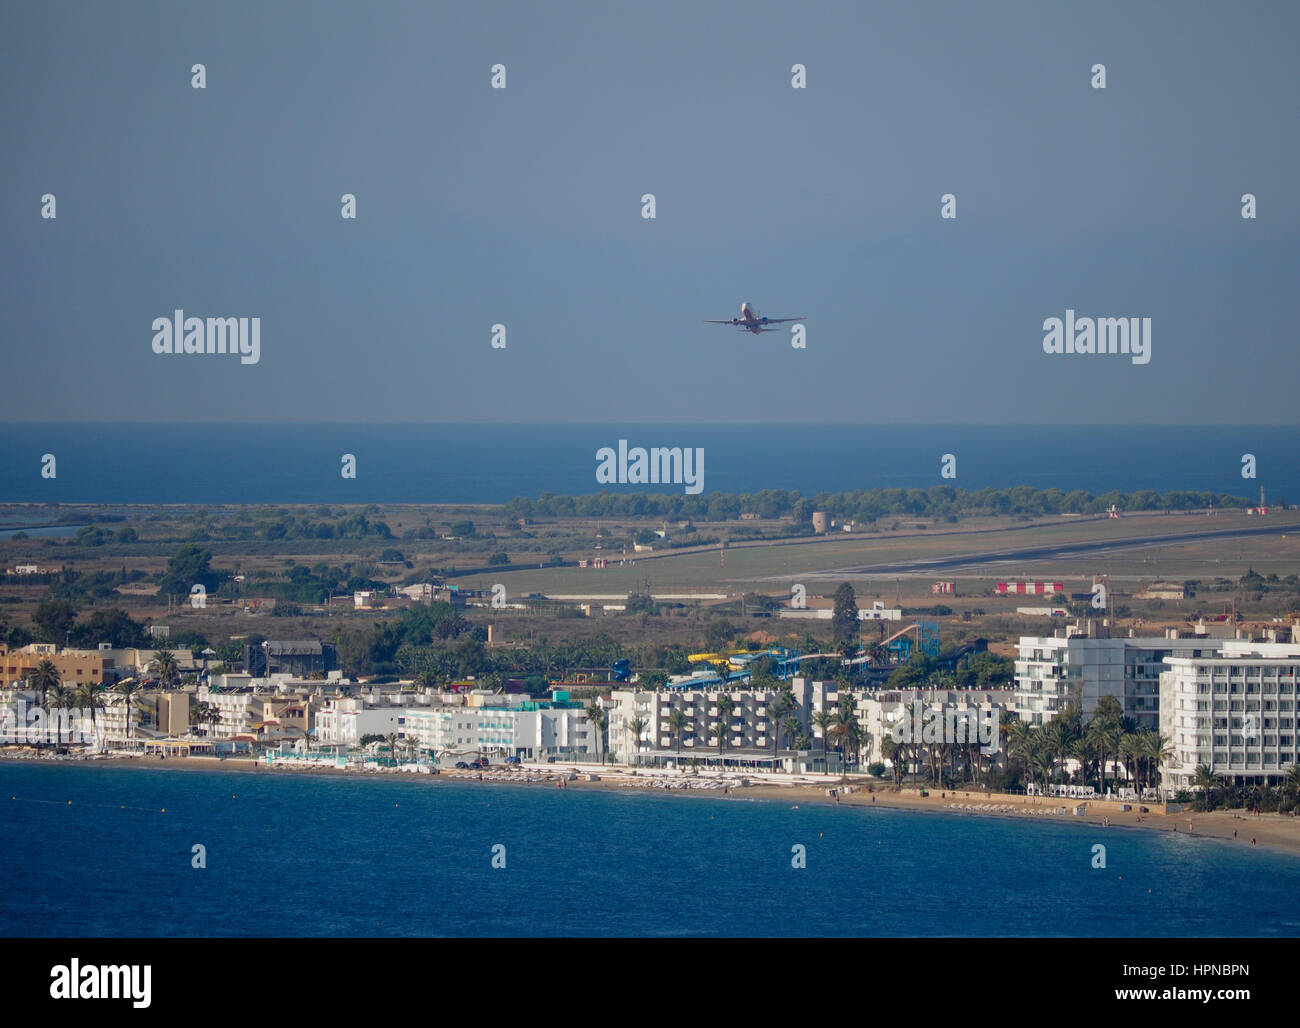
778,321
725,321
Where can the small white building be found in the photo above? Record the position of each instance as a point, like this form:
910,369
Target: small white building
344,720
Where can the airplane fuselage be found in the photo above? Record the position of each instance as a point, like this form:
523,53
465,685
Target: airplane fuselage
749,318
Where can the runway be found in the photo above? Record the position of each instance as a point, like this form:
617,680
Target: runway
1043,552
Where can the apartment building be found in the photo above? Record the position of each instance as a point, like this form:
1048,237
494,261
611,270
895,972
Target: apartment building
751,728
1233,711
240,712
75,667
1087,662
289,716
909,712
529,729
345,720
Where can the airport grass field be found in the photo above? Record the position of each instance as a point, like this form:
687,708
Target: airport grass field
119,557
853,557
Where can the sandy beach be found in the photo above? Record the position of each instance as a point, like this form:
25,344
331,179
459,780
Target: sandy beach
1279,833
1269,831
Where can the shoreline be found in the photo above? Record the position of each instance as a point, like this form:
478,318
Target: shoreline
1270,832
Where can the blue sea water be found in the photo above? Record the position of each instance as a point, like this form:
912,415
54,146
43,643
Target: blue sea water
300,856
492,463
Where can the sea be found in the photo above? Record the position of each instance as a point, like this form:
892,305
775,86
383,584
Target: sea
115,852
493,463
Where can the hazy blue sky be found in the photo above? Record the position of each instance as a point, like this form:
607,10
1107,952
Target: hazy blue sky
522,206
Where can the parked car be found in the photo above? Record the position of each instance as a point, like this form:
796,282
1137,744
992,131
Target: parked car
513,760
461,766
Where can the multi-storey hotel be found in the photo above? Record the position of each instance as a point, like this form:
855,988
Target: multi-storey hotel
1233,711
530,730
893,712
462,725
1090,664
751,725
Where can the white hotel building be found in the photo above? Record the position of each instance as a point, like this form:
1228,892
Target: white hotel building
1234,711
881,713
495,726
751,729
1049,670
344,721
529,731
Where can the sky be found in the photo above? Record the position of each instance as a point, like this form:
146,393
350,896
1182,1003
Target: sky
522,206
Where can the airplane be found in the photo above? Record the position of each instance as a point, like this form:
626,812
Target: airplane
751,321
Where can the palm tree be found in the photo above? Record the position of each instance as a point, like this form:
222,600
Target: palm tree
720,731
1097,735
913,759
1291,783
1157,750
1130,749
939,753
596,717
1060,737
164,662
894,752
776,710
1084,750
62,697
1017,739
725,706
1105,722
44,678
793,729
1208,782
974,760
127,688
1124,726
1204,778
848,730
636,726
91,697
1042,759
677,721
825,720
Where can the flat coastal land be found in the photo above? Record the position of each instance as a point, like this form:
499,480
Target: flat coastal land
1279,833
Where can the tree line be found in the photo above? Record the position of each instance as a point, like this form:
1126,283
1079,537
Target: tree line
867,505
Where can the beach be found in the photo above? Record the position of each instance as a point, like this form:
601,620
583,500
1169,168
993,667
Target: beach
1279,833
